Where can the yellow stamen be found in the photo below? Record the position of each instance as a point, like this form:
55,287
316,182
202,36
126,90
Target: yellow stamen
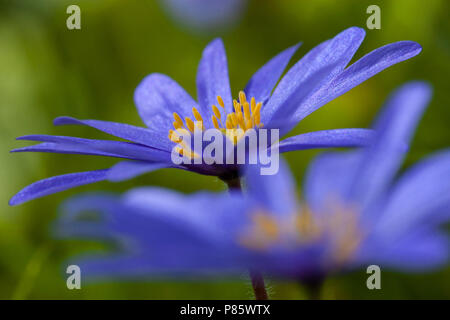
246,116
173,138
179,150
178,120
341,228
257,119
307,228
246,110
264,232
242,97
233,119
176,136
253,105
240,119
189,124
216,111
215,122
199,125
228,124
176,125
237,106
219,99
258,108
197,114
267,225
248,124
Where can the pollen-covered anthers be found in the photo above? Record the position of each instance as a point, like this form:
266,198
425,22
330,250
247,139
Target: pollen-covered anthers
183,149
246,115
190,124
306,226
340,228
346,233
263,232
266,230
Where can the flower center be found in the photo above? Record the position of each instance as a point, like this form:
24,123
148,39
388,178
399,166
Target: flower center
340,229
246,116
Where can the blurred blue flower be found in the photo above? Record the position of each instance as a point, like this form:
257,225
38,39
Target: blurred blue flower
354,215
320,76
394,218
205,16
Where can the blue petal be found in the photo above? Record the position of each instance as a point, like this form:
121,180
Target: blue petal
121,149
329,178
100,231
315,70
327,139
394,129
140,213
64,149
272,193
206,16
126,170
216,214
413,252
164,232
420,199
154,139
261,84
56,184
212,80
363,69
157,97
99,201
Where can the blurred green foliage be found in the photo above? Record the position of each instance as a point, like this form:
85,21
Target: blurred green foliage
47,71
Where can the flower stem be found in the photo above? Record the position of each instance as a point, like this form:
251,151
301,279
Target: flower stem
259,287
256,277
233,183
313,287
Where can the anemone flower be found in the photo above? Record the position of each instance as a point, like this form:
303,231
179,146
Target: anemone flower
354,215
320,76
205,16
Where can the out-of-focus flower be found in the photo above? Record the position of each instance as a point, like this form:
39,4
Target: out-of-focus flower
320,76
205,16
381,218
354,215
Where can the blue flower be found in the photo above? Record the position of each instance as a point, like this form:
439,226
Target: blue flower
205,15
320,76
396,219
355,213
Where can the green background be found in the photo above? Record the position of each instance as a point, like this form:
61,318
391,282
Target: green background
47,71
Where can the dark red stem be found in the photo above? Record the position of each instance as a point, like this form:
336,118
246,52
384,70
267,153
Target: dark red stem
256,277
